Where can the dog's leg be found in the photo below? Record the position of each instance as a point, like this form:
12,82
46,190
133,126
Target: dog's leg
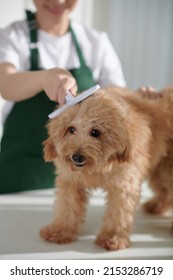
160,203
118,220
70,210
161,182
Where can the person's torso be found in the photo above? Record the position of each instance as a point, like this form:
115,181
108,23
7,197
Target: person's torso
49,45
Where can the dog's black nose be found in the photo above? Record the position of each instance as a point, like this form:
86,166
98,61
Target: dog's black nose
77,158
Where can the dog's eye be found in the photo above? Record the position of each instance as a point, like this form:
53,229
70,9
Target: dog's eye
95,133
71,129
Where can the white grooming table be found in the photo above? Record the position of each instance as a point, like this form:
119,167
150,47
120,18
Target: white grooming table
23,214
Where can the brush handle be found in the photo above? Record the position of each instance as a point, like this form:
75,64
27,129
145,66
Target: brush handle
69,97
71,100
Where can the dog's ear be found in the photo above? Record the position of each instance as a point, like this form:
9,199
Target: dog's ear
121,145
50,152
124,147
123,154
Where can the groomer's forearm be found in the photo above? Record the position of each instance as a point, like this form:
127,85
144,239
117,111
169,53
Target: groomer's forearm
22,85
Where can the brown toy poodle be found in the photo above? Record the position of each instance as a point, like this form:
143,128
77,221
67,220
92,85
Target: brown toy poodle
114,139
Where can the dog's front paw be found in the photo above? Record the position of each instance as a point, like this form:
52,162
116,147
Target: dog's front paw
56,234
112,242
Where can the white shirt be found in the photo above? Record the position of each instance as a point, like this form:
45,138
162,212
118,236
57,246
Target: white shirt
59,51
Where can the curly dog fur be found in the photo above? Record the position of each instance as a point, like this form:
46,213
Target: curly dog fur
114,139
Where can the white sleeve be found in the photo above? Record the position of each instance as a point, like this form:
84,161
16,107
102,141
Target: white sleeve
10,49
110,69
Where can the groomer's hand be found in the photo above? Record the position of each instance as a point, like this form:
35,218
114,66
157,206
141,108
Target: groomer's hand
57,83
149,93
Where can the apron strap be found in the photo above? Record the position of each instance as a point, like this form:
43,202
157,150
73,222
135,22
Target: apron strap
78,49
33,40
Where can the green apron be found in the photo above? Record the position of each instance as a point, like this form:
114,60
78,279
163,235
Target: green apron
22,166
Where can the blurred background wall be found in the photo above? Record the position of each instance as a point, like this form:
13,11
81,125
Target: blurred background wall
140,31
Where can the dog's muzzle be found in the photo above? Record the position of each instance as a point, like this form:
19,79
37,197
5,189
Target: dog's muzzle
79,160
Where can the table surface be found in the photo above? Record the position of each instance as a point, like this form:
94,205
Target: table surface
23,214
